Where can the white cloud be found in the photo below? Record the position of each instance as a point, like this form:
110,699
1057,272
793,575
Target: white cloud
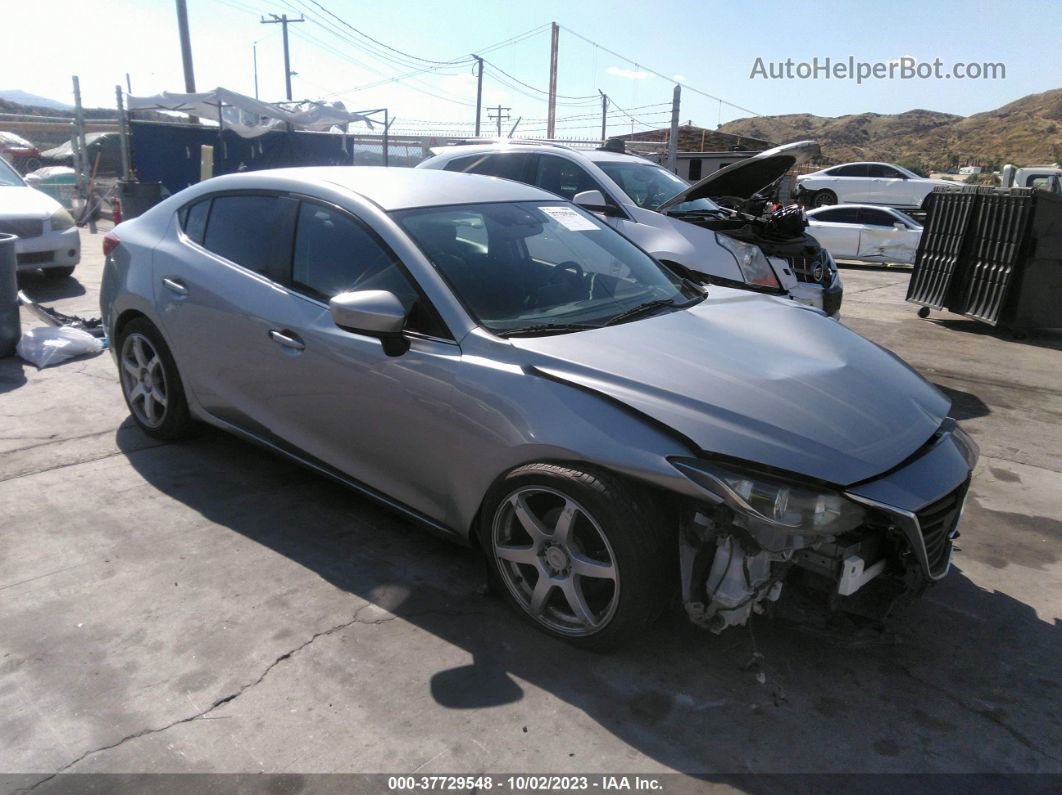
627,74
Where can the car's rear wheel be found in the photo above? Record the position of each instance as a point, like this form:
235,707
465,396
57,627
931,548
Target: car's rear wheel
824,198
150,382
59,273
578,553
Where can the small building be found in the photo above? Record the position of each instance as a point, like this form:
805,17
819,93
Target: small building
700,151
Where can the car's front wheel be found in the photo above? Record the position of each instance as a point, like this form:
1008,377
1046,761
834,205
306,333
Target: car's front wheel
824,198
578,552
150,382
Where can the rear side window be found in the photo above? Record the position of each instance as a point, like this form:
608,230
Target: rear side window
241,229
194,219
512,166
877,218
854,170
842,215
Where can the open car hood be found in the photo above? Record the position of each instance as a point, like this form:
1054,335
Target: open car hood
753,378
749,176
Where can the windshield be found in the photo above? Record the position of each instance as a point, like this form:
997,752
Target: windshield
8,176
536,266
649,186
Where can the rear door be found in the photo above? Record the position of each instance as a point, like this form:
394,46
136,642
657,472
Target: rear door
851,183
216,290
837,230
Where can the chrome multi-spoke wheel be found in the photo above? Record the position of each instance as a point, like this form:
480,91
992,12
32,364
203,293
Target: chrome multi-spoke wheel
555,560
143,380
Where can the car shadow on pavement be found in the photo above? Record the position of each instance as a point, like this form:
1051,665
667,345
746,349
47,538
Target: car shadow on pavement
1039,338
968,679
42,288
964,405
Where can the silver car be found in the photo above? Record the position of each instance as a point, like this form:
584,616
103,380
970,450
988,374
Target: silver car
504,368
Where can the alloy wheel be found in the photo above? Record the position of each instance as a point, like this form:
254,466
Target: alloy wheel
556,561
143,380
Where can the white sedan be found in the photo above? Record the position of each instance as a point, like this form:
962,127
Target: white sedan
882,184
47,236
866,233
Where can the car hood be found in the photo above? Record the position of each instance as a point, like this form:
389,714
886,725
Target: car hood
759,379
748,176
26,202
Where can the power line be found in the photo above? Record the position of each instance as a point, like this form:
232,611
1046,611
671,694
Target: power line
658,74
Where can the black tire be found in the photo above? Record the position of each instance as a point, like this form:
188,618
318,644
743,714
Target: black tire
823,198
174,422
59,273
637,545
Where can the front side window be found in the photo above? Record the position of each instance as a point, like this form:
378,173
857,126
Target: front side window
519,266
648,185
241,229
333,254
563,177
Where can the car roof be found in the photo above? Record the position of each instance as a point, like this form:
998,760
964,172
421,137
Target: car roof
396,188
594,155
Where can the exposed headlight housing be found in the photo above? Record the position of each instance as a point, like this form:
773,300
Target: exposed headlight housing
751,260
773,503
61,220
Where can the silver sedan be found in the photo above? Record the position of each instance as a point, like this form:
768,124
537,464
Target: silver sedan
506,370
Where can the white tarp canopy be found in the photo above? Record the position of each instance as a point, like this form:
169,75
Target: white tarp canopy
247,116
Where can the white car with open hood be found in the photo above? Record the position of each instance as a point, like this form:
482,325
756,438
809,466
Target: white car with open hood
683,225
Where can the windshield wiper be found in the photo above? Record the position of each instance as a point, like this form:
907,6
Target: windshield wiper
543,329
649,306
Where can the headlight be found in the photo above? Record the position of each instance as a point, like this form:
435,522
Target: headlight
751,260
61,220
780,504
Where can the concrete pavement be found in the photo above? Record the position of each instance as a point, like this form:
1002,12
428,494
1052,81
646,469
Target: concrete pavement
205,606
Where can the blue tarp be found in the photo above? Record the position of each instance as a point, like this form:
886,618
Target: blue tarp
170,153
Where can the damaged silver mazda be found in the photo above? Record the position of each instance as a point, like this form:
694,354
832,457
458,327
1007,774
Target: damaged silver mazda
507,370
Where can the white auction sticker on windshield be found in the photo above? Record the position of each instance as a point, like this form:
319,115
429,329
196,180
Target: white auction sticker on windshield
569,218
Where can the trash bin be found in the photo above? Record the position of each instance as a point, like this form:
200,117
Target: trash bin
59,182
10,328
138,197
994,255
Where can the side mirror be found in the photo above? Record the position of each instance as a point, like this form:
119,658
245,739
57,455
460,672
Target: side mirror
899,225
375,313
594,201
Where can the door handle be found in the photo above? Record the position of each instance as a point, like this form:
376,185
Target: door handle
174,285
288,340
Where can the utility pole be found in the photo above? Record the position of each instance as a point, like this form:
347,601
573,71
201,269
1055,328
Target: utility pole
498,117
186,52
604,114
672,143
479,90
551,114
284,21
254,55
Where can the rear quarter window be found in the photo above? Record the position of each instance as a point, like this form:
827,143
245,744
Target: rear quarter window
193,219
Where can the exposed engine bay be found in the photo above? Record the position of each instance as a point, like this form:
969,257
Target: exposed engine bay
730,573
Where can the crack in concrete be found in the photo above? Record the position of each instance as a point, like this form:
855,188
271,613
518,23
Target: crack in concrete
987,714
202,715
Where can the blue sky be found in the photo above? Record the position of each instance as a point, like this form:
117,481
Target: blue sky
711,47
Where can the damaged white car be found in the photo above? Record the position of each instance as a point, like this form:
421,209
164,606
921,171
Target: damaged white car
865,233
505,369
